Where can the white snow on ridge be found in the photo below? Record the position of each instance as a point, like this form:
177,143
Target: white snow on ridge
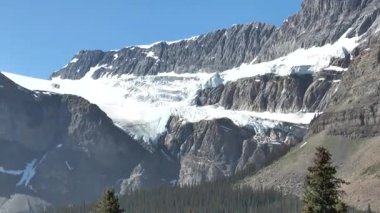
68,165
193,38
301,61
147,46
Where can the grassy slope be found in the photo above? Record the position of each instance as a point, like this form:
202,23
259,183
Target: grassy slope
358,162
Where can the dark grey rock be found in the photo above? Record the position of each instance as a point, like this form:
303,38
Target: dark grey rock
76,149
83,61
272,93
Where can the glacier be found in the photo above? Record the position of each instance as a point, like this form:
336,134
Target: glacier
142,105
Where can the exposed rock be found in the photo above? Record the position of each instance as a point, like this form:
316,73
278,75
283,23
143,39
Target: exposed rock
67,149
256,155
81,64
321,22
354,109
158,169
272,93
209,150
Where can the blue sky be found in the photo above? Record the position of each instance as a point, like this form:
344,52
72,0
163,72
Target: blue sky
38,37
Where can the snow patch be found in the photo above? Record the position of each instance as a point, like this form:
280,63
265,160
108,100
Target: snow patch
68,165
96,68
115,56
10,172
214,81
304,144
151,54
28,173
74,60
336,68
377,30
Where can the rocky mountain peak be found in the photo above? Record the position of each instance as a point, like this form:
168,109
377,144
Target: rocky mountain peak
216,51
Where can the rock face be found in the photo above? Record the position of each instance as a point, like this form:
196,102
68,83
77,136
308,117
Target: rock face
216,51
354,109
273,93
349,128
209,150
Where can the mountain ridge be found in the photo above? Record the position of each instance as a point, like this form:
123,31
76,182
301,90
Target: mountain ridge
187,112
255,42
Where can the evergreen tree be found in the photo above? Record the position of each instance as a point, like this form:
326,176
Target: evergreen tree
109,203
322,189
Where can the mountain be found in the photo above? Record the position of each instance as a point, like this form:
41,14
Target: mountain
61,148
349,127
199,109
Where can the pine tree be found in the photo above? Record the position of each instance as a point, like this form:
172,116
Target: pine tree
322,189
109,203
